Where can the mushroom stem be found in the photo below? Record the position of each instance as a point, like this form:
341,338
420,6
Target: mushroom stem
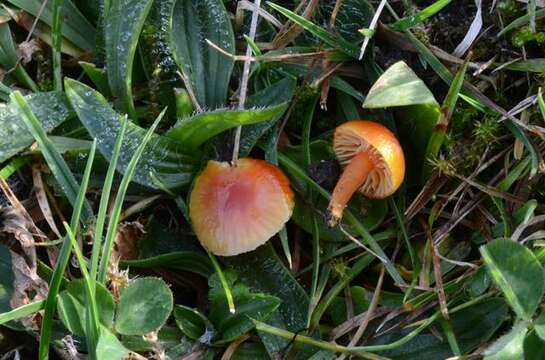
352,178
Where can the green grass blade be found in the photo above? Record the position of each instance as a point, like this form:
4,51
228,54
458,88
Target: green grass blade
330,39
105,199
22,311
93,323
447,77
62,262
440,130
57,40
358,227
118,204
410,21
56,163
521,21
224,283
541,103
12,167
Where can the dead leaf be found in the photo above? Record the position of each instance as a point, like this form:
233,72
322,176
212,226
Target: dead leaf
41,196
27,287
126,240
26,49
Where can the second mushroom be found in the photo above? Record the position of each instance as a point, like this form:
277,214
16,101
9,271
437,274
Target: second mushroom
373,163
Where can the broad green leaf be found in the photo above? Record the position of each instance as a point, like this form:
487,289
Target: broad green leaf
71,306
191,322
263,272
253,306
6,279
170,163
75,27
539,325
197,129
8,52
533,346
509,346
517,272
278,93
123,24
250,351
9,58
248,306
472,327
398,86
143,307
55,161
208,71
51,109
109,347
191,261
161,246
98,76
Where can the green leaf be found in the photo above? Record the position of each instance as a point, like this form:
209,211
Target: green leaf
539,325
330,39
109,347
51,109
6,279
207,71
533,346
75,27
472,327
439,131
521,21
191,261
123,24
9,58
171,163
410,21
71,306
248,306
517,272
54,160
98,76
143,307
263,272
398,86
197,129
530,65
278,93
509,346
192,322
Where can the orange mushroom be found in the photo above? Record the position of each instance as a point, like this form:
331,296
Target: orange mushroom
373,162
235,209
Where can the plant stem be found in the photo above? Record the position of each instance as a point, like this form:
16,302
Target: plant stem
57,41
245,77
62,263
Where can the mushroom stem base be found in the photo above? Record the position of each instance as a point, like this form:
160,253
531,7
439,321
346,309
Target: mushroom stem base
352,178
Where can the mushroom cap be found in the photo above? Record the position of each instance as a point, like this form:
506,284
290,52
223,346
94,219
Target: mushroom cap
235,209
384,149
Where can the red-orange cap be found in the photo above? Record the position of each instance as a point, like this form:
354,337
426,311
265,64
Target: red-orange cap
355,136
235,209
